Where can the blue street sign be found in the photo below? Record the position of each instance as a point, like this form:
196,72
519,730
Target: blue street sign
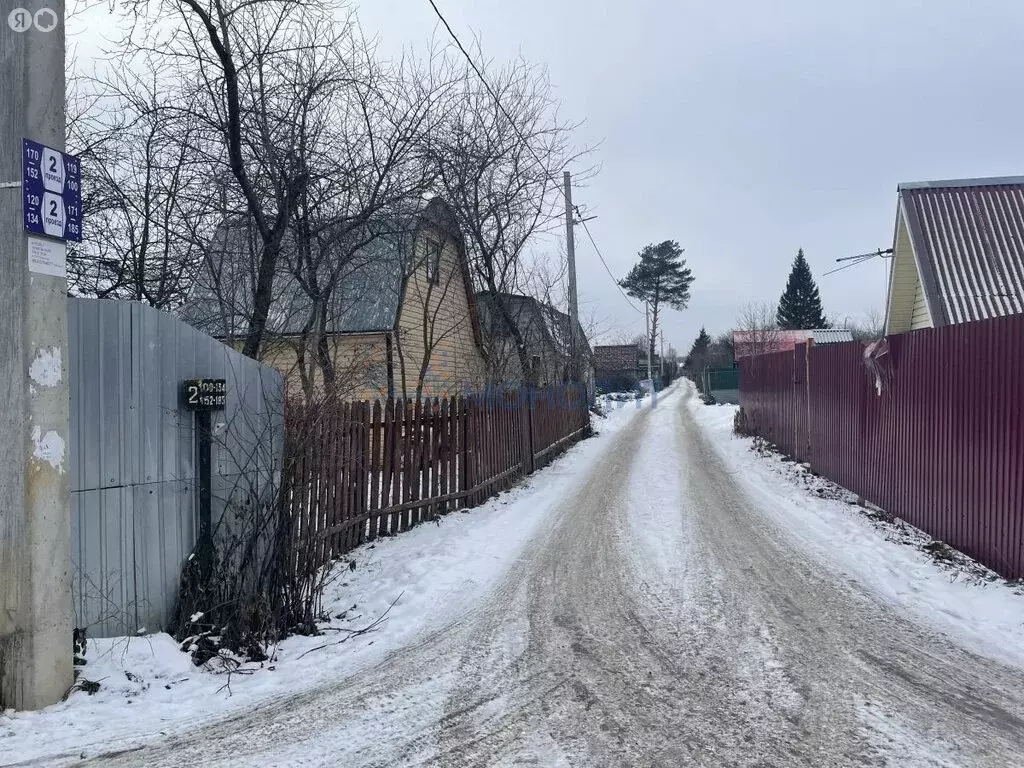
51,191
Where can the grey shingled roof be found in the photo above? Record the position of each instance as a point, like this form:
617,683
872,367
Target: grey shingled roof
371,263
529,313
968,239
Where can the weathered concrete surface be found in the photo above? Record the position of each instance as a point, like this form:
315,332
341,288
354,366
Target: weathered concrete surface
35,586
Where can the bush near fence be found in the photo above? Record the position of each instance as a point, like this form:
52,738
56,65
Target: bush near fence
930,428
358,470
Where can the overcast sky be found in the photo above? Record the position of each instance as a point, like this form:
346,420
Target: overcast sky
746,130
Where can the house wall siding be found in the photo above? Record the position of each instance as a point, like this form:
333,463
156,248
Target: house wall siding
920,317
435,320
360,365
905,283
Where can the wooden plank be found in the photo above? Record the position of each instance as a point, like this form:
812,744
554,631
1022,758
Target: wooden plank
328,499
444,454
312,490
465,448
387,498
373,504
346,475
406,468
425,459
453,446
294,467
364,465
435,464
426,456
401,419
318,477
416,462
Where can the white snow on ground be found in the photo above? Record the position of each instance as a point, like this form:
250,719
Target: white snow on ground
987,616
432,574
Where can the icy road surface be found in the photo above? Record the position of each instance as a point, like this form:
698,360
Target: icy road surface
658,617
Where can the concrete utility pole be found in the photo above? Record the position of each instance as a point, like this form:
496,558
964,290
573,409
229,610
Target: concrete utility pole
661,360
647,333
35,518
574,311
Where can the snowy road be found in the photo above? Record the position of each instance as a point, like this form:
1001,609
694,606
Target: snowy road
658,618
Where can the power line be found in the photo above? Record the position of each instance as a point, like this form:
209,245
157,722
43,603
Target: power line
522,138
598,252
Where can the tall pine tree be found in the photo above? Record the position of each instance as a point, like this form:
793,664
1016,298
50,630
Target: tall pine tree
800,305
660,277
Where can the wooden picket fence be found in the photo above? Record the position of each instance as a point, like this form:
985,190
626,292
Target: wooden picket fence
358,470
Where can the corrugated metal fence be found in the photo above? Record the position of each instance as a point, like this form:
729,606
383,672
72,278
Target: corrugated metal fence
357,471
929,425
132,460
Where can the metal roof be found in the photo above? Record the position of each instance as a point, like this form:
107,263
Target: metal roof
968,240
749,343
831,335
529,313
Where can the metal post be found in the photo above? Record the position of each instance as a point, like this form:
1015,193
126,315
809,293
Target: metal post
570,251
35,511
204,441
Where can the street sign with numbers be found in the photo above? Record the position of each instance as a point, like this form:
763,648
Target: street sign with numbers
51,191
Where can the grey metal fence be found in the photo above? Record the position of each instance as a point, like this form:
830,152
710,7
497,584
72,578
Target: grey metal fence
132,460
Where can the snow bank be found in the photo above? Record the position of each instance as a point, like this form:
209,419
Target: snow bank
986,616
423,579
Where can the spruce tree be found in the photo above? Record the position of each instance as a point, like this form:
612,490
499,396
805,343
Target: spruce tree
700,344
800,305
694,360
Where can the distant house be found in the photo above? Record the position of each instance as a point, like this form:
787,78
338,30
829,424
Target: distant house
617,367
546,335
749,343
402,319
958,253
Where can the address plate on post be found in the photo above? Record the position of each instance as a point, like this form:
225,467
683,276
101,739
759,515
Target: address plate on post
204,394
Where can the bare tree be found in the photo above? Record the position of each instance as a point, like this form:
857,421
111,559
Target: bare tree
241,70
497,153
146,197
760,333
871,328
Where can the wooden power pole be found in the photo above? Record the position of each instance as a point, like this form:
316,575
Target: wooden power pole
35,518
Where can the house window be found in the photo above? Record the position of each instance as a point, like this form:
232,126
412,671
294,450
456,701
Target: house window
434,248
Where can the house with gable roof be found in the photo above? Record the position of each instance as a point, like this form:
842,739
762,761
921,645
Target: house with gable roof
401,320
958,253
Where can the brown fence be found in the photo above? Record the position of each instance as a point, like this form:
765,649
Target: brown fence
356,471
927,425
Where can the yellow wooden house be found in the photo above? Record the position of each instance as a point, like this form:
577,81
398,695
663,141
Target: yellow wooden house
400,318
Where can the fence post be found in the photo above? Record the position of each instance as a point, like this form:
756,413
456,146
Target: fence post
465,471
526,406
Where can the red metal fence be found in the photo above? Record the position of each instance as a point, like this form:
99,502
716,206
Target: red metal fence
356,471
929,427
